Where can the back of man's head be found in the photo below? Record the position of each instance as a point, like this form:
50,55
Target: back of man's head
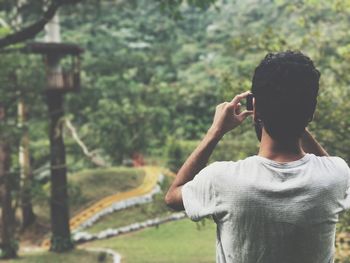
285,86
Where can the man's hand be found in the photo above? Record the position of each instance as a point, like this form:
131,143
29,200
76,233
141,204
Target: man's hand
228,115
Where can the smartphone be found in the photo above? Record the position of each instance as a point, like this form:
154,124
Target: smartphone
249,102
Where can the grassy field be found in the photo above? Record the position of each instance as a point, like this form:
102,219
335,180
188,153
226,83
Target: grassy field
181,241
71,257
84,188
95,184
176,242
89,186
135,214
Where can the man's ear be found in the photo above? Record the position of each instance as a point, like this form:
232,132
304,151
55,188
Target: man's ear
256,115
254,111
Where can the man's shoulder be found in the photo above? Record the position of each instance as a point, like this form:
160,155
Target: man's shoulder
331,160
334,168
336,159
332,163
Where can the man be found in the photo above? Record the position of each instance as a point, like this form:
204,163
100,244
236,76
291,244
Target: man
279,206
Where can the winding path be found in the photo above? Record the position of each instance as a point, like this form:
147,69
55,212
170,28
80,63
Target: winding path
152,174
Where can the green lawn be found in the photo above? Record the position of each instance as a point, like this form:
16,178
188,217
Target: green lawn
181,241
89,186
84,188
138,213
95,184
71,257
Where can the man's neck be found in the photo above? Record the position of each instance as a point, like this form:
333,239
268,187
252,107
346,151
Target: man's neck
287,151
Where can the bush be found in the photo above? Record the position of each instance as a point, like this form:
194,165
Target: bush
177,152
232,147
235,146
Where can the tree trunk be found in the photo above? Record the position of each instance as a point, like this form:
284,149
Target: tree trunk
28,216
8,245
60,240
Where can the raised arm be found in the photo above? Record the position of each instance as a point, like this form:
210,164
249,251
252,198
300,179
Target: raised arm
310,145
227,117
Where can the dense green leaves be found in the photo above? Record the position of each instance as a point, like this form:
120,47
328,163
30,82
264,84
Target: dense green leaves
147,76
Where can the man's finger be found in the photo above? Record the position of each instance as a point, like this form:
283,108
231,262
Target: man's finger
238,97
245,114
238,109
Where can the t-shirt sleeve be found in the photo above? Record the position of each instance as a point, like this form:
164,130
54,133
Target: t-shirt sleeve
199,194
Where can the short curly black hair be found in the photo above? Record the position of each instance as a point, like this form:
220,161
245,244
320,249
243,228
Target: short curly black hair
285,86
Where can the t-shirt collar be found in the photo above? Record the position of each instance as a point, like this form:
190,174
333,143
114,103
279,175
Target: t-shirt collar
295,163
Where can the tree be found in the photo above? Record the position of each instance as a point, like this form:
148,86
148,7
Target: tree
30,31
28,216
34,28
23,28
8,244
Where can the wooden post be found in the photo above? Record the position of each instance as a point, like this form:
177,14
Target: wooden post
60,240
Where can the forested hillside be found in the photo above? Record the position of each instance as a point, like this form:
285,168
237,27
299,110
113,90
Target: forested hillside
149,77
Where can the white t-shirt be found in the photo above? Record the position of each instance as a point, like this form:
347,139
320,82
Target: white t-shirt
270,212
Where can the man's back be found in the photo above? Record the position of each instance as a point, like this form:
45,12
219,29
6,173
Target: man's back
271,212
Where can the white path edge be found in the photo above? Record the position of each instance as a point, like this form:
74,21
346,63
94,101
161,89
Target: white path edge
82,237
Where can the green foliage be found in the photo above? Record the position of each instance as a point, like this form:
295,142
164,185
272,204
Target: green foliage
132,97
174,154
147,76
173,7
236,146
344,222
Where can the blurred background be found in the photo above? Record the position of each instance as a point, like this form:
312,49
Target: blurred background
101,101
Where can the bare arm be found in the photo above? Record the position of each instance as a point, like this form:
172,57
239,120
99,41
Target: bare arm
227,117
310,145
194,163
